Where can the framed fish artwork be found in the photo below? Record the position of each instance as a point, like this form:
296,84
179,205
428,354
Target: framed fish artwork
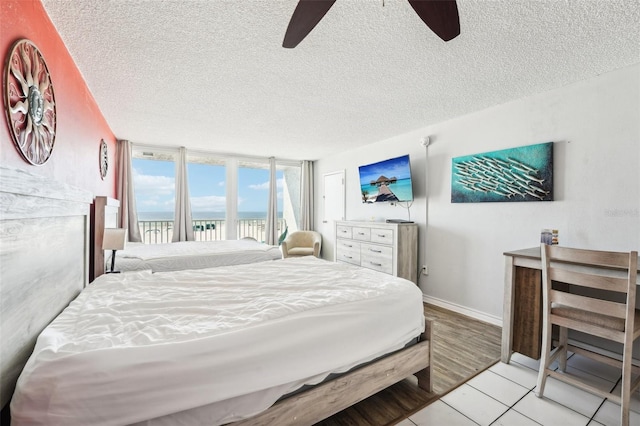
509,175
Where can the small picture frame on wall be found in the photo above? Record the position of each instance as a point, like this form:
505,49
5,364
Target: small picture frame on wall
104,159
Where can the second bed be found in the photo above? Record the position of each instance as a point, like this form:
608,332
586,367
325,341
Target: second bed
183,255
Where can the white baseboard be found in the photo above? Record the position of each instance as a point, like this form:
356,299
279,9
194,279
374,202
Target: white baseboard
480,316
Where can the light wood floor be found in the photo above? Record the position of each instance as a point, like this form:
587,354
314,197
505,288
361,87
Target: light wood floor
462,348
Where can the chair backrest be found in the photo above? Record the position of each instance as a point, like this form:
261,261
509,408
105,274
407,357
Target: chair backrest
607,317
304,238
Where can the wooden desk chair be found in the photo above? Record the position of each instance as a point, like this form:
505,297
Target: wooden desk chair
619,322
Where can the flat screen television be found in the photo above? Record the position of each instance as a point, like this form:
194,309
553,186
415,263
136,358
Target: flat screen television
386,181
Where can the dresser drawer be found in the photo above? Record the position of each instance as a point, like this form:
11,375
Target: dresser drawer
383,236
348,251
362,234
343,231
379,258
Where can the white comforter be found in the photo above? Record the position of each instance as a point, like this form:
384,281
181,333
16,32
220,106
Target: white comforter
192,255
139,346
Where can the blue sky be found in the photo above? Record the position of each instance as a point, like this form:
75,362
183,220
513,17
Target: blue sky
154,183
394,167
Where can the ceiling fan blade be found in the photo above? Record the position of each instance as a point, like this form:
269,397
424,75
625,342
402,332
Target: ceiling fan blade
304,19
441,16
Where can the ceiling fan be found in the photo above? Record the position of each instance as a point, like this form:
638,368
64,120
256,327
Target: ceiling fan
441,16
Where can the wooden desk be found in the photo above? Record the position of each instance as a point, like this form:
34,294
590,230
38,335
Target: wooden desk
522,309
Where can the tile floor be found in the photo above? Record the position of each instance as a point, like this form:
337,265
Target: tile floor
504,395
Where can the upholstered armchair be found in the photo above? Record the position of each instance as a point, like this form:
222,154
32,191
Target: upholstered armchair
302,243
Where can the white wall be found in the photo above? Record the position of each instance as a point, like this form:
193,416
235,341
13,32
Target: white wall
595,127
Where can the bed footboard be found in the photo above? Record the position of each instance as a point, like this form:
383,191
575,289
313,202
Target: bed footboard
324,400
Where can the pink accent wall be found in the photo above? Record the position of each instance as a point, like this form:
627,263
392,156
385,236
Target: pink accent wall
80,124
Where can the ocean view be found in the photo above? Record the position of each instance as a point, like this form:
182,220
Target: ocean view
166,216
402,189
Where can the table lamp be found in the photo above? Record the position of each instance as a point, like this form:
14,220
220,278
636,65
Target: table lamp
113,239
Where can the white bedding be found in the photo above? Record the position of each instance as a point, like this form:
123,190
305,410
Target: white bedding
219,344
191,255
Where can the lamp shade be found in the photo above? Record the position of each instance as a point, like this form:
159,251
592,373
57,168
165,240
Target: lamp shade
113,238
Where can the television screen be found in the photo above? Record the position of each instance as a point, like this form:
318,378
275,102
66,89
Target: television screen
388,180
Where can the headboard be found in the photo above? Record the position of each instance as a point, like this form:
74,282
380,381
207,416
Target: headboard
44,261
104,214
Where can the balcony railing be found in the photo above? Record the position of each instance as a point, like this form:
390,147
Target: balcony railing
161,231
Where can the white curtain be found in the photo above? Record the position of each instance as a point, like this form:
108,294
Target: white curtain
125,192
306,222
271,228
182,226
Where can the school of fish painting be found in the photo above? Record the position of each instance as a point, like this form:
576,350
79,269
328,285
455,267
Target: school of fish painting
509,175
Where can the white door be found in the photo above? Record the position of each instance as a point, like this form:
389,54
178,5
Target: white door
333,198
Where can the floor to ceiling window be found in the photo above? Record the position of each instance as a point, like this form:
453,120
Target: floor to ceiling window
154,183
208,194
253,199
290,191
228,195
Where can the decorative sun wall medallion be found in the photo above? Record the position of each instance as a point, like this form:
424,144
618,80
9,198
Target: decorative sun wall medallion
29,102
104,159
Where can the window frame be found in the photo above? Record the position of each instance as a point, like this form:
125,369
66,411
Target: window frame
232,164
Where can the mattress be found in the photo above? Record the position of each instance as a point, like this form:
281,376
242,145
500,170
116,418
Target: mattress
214,345
191,255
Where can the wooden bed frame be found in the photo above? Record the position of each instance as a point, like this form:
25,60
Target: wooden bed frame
328,398
45,244
104,214
44,238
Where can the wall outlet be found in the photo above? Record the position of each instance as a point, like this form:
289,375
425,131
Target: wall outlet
425,270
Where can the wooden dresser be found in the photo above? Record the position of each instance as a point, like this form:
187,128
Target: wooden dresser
391,248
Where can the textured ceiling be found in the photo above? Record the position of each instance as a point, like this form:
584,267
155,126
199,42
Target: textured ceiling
212,75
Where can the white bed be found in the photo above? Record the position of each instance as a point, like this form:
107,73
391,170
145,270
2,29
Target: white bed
192,255
210,346
168,256
45,245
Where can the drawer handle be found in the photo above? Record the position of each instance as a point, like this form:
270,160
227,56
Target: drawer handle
360,233
348,257
348,245
343,231
382,236
375,264
375,251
